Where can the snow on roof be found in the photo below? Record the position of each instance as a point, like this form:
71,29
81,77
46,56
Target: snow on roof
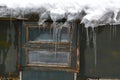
97,11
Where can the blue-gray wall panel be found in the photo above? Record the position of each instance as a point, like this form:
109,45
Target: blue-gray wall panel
47,75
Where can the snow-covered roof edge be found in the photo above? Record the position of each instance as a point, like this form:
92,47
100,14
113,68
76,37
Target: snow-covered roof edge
90,12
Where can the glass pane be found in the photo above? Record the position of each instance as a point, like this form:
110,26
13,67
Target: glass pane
49,58
48,34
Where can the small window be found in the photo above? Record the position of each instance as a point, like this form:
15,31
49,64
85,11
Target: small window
49,46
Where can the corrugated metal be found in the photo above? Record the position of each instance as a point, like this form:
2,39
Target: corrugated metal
108,53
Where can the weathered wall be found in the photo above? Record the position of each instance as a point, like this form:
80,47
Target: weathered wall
8,46
47,75
107,56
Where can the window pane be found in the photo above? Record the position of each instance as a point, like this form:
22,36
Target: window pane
49,58
48,34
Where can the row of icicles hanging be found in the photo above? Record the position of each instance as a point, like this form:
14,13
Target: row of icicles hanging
113,34
46,16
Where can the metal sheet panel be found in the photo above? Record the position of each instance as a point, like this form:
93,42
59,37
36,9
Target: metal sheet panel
48,75
8,47
106,62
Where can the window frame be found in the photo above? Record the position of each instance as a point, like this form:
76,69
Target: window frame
53,67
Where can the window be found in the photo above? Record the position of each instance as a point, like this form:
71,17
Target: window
48,46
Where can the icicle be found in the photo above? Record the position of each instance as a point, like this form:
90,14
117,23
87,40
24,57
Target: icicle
110,32
90,35
39,26
94,45
87,38
51,30
59,35
55,37
115,32
11,15
23,15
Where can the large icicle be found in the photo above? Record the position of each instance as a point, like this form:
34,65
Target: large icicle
94,45
59,28
54,15
23,15
110,32
114,31
87,38
55,37
11,11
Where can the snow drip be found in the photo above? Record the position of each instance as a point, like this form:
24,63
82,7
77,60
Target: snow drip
95,46
91,38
